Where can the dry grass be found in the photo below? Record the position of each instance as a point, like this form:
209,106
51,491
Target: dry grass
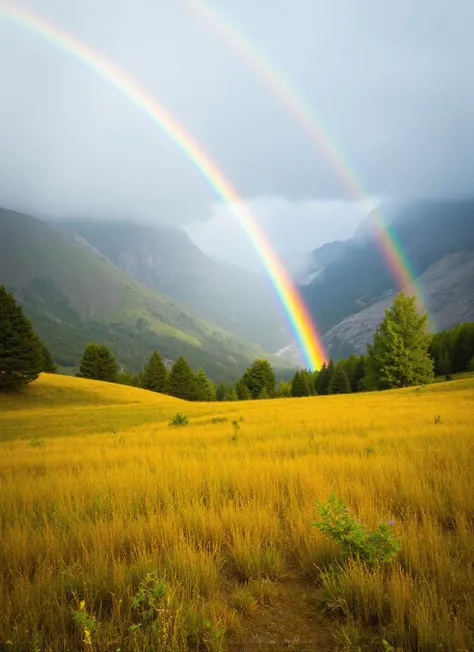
97,491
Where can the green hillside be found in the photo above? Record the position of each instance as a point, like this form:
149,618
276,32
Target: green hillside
73,295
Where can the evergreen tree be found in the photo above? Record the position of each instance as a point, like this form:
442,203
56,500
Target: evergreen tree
259,376
324,378
155,375
309,379
205,388
243,391
231,394
463,348
181,383
125,378
221,392
399,355
359,375
340,382
299,384
98,363
284,389
21,357
47,364
443,363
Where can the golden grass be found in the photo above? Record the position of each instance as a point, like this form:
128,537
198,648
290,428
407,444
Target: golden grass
97,491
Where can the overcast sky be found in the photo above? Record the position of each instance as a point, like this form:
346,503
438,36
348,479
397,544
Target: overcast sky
391,81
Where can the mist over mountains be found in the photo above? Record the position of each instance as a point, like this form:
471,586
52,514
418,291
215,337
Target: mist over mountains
141,287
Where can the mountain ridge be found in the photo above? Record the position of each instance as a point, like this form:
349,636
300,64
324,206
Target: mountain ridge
74,295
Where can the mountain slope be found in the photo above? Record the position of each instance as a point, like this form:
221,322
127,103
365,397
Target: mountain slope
447,288
359,275
74,295
166,260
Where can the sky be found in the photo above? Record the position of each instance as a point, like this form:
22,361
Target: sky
392,84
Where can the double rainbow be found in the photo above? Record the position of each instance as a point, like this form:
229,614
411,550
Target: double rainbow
319,135
297,313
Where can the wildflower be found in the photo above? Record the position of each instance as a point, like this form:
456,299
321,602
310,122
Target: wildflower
391,523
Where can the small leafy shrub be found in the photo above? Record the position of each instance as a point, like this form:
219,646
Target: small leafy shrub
437,419
236,426
87,623
353,537
178,420
37,443
369,450
148,601
219,419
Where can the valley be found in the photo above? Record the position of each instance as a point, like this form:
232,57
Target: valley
119,531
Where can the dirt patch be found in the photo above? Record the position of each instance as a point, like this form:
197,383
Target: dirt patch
295,622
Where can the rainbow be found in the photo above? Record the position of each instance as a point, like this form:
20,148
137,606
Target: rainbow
304,329
319,134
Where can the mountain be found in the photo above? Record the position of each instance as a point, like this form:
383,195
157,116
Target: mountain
166,260
352,283
74,295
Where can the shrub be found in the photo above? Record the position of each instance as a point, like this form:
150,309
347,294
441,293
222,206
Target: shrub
178,420
353,537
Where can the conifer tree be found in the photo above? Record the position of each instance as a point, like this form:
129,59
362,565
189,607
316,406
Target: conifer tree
324,378
47,364
205,388
21,358
340,382
259,376
243,391
155,374
299,384
231,394
98,363
399,355
181,383
221,392
443,365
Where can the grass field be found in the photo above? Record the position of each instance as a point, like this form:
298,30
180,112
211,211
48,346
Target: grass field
119,532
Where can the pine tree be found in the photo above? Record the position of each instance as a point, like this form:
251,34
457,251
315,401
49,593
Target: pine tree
205,388
399,355
463,348
340,382
21,358
323,381
98,363
284,389
359,375
181,382
443,364
221,392
243,391
259,376
299,384
155,374
309,378
231,394
47,364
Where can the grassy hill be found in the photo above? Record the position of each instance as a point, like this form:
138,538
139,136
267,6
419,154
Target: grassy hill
117,527
73,295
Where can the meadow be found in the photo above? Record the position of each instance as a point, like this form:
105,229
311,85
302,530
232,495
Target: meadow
120,532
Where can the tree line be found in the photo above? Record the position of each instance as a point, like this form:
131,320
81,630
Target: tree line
401,354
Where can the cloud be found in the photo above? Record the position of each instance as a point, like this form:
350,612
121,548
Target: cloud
292,228
395,97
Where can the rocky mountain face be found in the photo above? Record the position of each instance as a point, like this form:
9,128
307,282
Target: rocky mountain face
352,283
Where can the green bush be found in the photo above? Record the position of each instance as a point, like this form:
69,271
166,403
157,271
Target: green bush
353,537
178,420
